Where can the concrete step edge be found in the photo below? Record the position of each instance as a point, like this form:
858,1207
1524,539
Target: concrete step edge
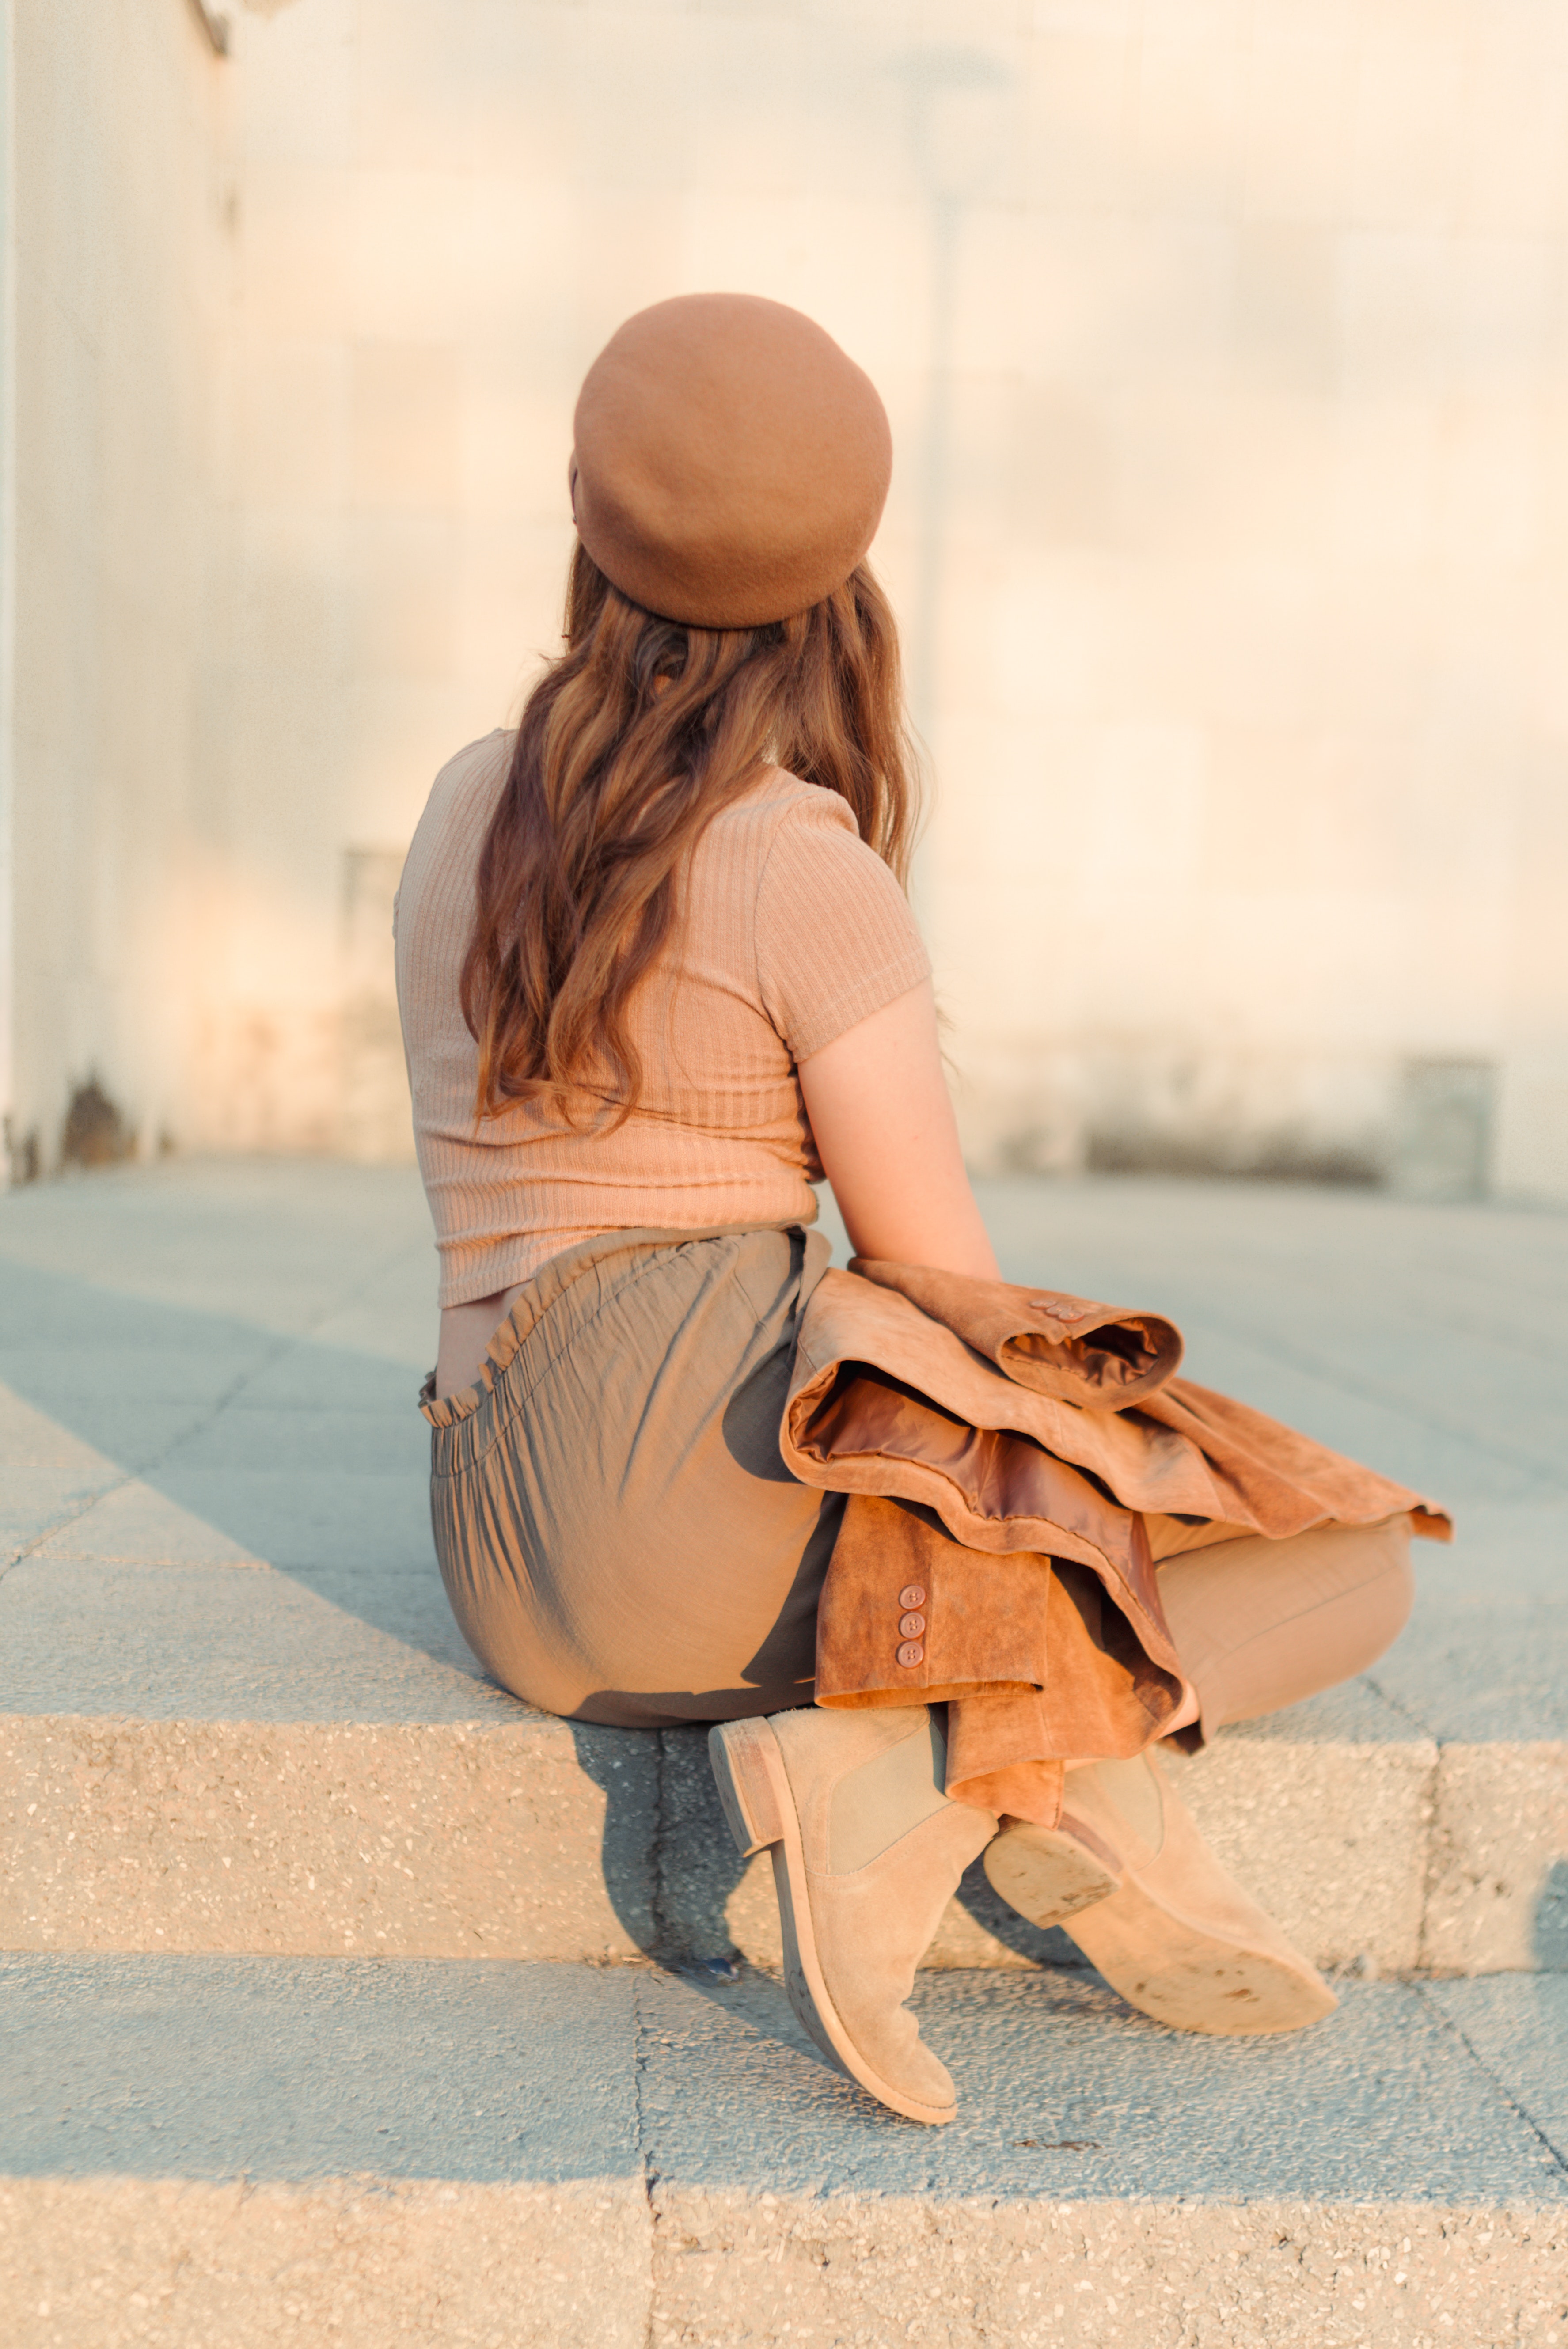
383,2264
265,2152
542,1839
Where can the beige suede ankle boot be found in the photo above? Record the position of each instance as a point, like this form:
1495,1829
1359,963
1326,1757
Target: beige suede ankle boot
1128,1876
866,1852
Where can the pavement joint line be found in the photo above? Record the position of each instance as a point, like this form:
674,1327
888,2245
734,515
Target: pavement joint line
646,2166
658,1902
1430,1853
1397,1704
1559,2154
283,1343
139,1471
286,1343
1433,1795
74,1515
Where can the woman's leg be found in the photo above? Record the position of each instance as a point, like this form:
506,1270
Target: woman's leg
1258,1624
622,1543
1262,1624
868,1849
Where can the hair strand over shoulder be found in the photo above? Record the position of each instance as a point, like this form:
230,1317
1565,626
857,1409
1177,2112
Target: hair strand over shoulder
632,740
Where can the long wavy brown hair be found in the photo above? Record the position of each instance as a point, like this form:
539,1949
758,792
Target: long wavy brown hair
630,742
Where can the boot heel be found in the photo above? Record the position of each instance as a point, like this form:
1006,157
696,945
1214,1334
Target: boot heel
738,1751
1047,1877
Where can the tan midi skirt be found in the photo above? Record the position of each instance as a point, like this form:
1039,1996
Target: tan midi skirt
632,1531
618,1535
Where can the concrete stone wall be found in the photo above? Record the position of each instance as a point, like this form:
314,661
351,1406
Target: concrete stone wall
1227,351
117,226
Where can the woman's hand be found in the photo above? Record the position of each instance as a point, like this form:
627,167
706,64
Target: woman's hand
878,1106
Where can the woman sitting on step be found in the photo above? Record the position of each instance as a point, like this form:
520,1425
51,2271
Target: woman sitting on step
942,1559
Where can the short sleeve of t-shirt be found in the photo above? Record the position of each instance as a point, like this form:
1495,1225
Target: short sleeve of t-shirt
836,938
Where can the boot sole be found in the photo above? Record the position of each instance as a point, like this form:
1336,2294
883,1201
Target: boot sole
754,1789
1162,1963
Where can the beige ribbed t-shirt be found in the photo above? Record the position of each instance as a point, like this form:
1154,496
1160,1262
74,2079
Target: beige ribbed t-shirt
790,931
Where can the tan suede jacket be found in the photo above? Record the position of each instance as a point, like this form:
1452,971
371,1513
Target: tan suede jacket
1042,1438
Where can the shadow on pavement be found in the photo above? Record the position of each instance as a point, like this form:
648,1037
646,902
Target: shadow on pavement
1550,1940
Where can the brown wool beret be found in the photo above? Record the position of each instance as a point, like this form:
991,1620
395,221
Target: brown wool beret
730,462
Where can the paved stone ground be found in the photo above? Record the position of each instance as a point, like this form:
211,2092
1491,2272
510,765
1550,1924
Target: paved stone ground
263,1814
216,1363
212,1368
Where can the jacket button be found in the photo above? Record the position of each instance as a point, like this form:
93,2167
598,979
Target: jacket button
911,1626
911,1653
913,1594
1058,1311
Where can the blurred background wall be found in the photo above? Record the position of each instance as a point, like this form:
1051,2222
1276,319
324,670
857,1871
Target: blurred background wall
113,307
1226,345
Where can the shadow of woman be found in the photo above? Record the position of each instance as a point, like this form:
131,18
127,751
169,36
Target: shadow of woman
674,1892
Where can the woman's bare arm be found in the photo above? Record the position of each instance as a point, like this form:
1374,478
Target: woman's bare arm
878,1106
